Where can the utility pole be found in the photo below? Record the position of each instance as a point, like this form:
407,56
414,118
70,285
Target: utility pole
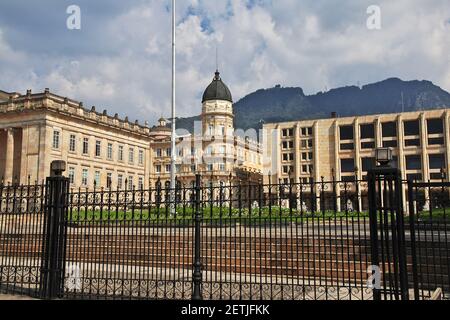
173,139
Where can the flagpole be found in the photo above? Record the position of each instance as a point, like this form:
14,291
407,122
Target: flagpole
173,138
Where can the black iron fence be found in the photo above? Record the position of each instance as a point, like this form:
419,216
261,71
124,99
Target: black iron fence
206,241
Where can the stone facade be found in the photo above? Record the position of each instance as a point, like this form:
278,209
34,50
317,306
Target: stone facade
105,151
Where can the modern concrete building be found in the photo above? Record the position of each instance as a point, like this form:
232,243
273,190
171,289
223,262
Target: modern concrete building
345,147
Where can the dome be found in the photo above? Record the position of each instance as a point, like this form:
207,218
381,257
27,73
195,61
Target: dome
217,90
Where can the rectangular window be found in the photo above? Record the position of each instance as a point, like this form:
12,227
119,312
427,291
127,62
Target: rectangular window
411,128
120,153
437,161
130,183
367,164
367,145
346,132
98,148
390,144
389,129
84,177
141,157
110,151
414,176
168,168
131,155
109,180
158,168
85,146
435,126
436,141
56,136
72,175
119,181
347,165
347,146
222,167
436,176
159,153
168,152
72,143
97,178
413,162
367,131
210,167
141,183
412,143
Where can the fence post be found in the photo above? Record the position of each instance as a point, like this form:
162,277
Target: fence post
373,227
197,272
55,210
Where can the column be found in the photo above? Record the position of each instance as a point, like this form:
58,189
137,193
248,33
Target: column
297,152
401,158
378,134
337,164
317,177
358,164
9,156
425,167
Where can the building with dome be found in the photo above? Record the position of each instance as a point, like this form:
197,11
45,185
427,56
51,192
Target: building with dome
105,151
213,149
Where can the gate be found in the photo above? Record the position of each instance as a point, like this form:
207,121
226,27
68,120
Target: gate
429,225
387,234
275,241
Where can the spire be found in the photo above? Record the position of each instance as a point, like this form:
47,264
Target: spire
217,77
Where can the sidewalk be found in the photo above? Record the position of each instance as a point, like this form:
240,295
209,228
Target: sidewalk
13,297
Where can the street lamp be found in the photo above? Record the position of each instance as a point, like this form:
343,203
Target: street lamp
383,156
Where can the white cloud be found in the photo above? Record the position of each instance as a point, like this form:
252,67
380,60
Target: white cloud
311,44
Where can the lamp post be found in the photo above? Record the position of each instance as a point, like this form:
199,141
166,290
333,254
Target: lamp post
384,156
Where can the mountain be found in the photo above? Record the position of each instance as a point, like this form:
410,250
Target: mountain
288,104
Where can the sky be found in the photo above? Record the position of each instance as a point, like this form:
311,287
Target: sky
120,58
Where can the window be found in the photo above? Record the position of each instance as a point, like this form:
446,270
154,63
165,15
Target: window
193,168
141,183
222,150
85,146
367,164
56,136
141,157
109,180
119,181
436,141
437,176
389,129
437,161
346,132
347,146
210,167
130,183
414,176
367,145
411,128
288,132
120,153
131,155
222,130
159,153
390,144
288,169
97,178
84,177
412,143
168,152
168,168
110,151
435,126
347,165
72,143
222,167
158,168
72,175
306,131
98,148
413,162
367,131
